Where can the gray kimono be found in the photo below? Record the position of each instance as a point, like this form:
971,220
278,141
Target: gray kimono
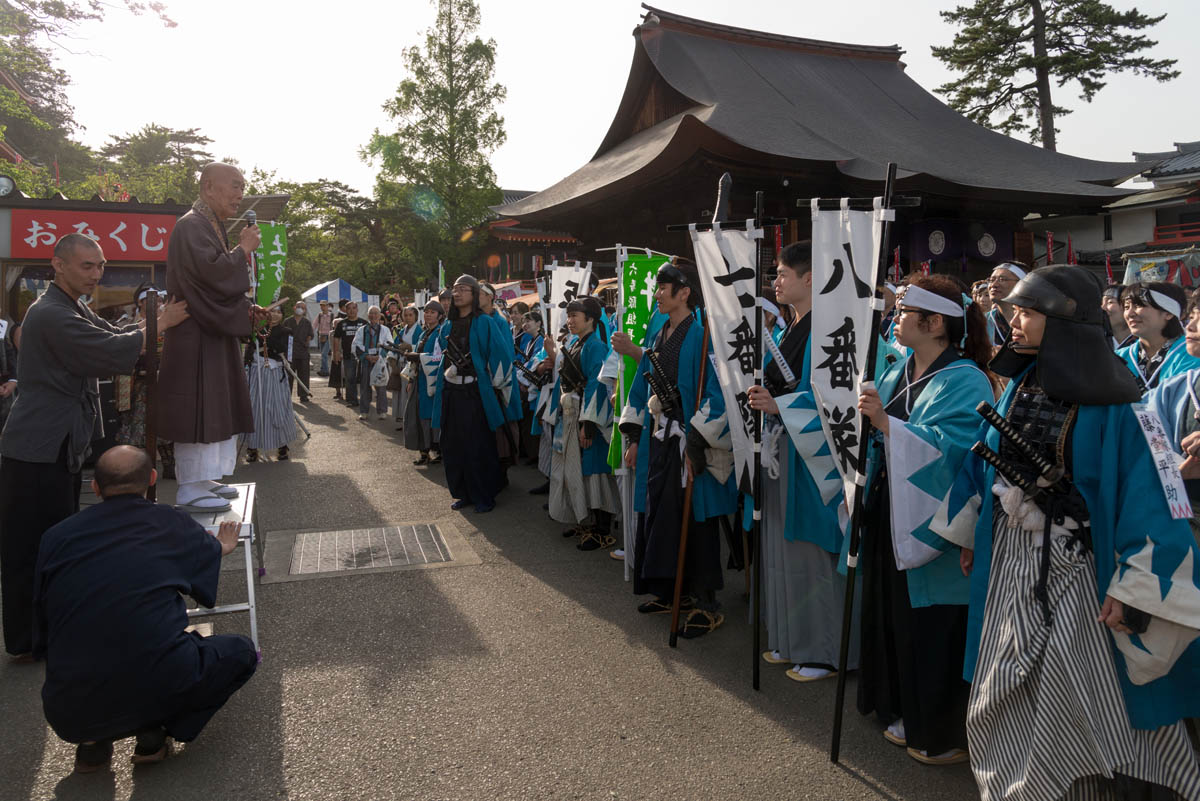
65,348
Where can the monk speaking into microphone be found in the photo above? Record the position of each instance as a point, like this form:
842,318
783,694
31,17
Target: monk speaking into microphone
204,400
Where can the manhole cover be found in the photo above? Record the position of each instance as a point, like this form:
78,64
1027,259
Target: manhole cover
391,546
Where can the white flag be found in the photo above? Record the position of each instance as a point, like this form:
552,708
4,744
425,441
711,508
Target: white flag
726,260
567,282
845,255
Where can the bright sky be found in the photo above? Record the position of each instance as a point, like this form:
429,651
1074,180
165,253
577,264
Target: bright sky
297,87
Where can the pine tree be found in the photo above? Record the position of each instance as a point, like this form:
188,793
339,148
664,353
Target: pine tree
1009,51
436,163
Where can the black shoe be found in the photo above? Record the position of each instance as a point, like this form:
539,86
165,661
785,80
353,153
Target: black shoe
153,745
542,490
91,757
283,454
423,460
484,508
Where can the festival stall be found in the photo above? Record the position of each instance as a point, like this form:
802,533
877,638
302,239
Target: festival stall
333,291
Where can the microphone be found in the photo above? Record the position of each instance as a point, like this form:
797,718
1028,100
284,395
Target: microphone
251,217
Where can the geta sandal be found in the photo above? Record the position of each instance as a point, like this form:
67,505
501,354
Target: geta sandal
593,540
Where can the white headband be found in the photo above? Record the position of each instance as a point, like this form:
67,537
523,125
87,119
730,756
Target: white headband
145,292
1166,303
1014,269
917,298
768,306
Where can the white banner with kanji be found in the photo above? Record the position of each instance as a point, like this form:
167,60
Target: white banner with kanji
567,282
726,260
845,253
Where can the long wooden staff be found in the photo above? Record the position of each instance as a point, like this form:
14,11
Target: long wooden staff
152,384
687,499
857,511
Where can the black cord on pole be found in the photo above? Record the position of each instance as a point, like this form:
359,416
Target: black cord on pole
856,517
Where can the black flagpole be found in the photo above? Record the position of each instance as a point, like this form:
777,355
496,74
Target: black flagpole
756,496
151,363
856,518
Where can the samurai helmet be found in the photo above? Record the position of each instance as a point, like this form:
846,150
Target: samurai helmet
1075,361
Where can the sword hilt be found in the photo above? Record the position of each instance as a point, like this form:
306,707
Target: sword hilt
1004,468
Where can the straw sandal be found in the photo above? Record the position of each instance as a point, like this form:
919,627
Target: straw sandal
699,623
593,540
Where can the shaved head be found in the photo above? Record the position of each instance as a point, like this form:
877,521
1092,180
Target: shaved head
222,187
216,169
123,470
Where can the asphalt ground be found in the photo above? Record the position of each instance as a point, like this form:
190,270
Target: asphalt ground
523,674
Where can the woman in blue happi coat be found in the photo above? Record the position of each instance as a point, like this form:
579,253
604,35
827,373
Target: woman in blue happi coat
914,610
471,396
1154,311
1176,401
582,493
423,363
1084,605
528,346
656,427
803,592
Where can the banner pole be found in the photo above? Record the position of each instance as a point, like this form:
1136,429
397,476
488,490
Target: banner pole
152,385
756,495
860,489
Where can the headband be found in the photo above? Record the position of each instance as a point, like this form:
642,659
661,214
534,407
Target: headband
488,288
1165,303
142,295
890,287
768,306
918,298
1015,269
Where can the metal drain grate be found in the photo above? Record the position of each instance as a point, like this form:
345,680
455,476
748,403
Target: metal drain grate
355,549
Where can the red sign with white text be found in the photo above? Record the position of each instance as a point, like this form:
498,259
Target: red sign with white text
122,237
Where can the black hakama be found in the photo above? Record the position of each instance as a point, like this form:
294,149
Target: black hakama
468,446
657,549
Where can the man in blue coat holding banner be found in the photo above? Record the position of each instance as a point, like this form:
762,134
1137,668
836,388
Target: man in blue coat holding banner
668,405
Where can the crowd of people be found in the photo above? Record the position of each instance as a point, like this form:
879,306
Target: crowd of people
1030,590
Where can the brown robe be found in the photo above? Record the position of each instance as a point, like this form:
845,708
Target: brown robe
203,395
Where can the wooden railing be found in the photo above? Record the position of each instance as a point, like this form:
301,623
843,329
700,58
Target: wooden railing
1175,234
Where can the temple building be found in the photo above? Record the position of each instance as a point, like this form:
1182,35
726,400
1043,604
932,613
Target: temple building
797,119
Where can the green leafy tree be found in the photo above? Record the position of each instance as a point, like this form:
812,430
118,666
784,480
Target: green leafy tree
1010,51
435,176
158,163
37,119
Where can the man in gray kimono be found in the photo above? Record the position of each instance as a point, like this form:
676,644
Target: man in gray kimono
65,348
204,399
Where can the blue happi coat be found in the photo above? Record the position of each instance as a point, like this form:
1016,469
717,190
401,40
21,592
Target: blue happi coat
427,371
1178,361
710,497
1134,541
595,407
491,354
814,490
924,456
1172,401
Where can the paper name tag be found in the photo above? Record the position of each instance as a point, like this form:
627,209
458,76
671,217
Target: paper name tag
1166,462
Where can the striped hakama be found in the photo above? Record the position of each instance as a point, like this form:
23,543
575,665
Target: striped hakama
271,402
1047,718
803,592
572,494
418,432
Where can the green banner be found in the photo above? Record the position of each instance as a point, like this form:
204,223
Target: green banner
638,278
272,259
